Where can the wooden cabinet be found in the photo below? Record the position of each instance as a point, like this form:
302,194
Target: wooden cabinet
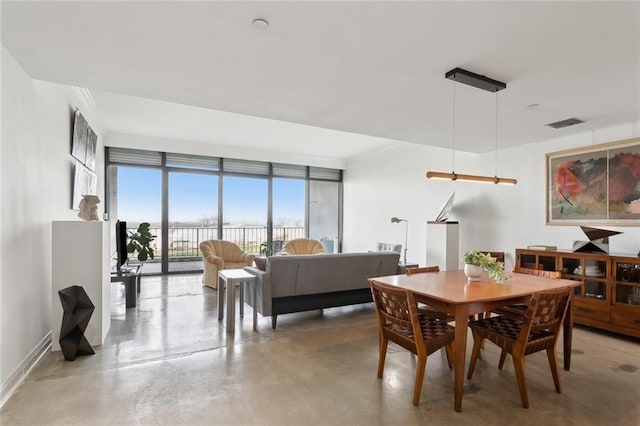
625,298
609,297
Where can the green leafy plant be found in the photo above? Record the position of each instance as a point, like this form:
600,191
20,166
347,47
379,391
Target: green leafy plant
140,242
487,263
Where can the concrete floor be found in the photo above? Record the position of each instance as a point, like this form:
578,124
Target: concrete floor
170,362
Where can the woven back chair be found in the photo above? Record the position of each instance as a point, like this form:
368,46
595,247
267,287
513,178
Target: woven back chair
423,269
499,255
537,272
426,270
401,321
537,330
517,310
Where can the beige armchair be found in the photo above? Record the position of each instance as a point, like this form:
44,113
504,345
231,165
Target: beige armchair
220,254
303,246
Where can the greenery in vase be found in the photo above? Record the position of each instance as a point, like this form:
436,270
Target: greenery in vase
487,263
140,242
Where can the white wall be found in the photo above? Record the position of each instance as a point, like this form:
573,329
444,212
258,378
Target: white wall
36,173
492,217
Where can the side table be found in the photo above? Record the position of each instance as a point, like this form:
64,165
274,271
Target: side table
227,280
130,276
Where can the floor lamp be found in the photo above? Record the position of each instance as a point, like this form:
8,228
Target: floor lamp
406,235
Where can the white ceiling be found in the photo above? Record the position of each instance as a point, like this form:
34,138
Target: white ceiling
372,69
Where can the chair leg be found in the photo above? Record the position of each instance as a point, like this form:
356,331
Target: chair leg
475,354
448,350
420,369
382,355
518,365
553,364
503,356
274,319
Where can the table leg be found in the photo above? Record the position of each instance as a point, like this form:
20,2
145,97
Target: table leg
221,284
231,306
138,273
255,305
459,353
130,291
241,300
567,335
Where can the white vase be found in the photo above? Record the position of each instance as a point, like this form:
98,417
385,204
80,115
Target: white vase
473,272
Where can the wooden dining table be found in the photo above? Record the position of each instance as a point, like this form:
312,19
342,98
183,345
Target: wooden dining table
451,292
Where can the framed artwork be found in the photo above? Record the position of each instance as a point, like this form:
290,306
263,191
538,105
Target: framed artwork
84,141
92,143
599,184
79,138
85,182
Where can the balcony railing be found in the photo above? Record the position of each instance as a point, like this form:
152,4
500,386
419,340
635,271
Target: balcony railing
184,241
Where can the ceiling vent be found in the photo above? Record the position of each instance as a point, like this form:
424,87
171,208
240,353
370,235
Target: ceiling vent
565,123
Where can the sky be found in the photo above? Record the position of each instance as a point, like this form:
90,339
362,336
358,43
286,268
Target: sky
193,197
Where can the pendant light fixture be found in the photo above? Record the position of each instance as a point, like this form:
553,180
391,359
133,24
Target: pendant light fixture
485,83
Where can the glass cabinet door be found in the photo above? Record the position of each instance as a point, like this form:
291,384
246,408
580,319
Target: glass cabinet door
627,283
595,278
537,261
571,269
592,271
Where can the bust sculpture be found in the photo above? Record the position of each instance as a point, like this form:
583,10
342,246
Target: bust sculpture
89,207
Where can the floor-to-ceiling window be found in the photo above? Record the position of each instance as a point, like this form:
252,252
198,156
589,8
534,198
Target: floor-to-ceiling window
139,199
258,205
324,214
244,212
289,212
192,217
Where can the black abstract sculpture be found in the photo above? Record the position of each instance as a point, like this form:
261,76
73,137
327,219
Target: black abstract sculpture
77,312
598,240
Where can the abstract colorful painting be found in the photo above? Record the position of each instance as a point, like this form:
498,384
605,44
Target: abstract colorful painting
598,184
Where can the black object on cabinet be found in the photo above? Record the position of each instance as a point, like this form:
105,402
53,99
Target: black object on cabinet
78,309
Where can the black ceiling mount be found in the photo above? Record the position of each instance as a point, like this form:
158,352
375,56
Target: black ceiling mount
475,80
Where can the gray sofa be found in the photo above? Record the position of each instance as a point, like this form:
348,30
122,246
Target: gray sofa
302,283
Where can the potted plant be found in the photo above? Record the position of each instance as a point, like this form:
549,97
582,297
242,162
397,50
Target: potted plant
140,242
483,262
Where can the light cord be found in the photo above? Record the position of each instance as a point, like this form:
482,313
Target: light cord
453,131
496,159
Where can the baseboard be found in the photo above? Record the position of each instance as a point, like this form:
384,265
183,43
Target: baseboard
17,378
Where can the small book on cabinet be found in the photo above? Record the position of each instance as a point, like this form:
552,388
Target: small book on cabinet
542,247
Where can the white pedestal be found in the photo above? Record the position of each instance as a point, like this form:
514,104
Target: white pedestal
443,241
80,256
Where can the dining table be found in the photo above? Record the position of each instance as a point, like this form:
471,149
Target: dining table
451,292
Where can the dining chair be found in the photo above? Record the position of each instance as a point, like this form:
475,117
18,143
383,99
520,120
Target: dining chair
537,330
423,269
519,309
499,255
538,272
426,270
401,321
